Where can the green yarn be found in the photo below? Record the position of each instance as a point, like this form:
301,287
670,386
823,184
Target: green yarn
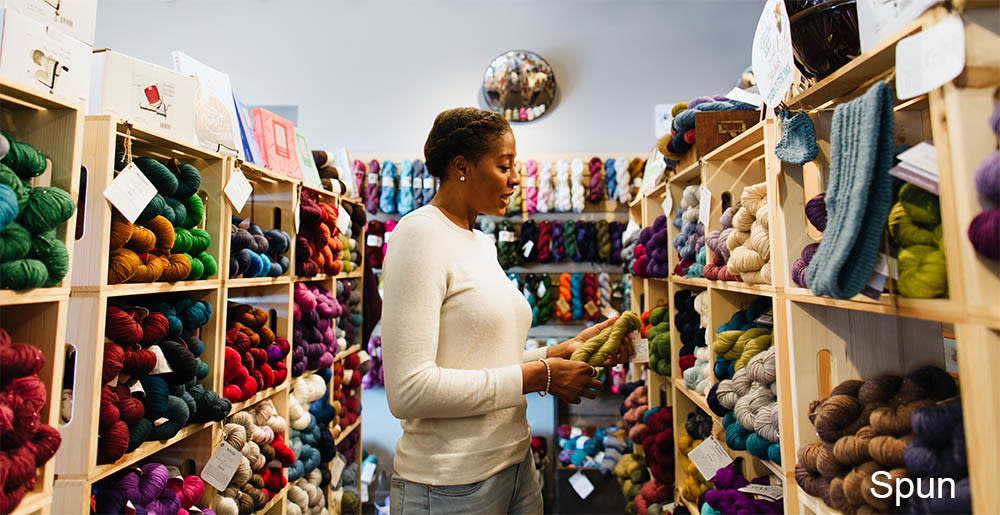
178,213
211,268
182,241
47,207
904,232
922,205
24,159
197,268
20,188
158,174
195,212
23,274
200,240
15,242
922,272
50,250
189,180
156,206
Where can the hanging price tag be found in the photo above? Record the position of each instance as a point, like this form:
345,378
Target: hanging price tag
590,308
130,191
704,205
930,58
238,190
221,467
343,221
581,485
337,469
709,457
668,204
641,347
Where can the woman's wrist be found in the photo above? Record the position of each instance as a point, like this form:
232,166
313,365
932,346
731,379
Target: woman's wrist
533,377
560,350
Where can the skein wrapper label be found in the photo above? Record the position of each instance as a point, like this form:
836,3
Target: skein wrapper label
641,346
336,469
709,457
405,182
507,237
130,191
160,421
428,183
562,305
528,245
766,319
590,308
388,182
575,432
221,467
542,289
374,241
772,492
372,178
529,182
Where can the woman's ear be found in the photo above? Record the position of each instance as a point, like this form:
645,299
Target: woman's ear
461,165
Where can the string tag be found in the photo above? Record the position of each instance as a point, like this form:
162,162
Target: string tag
221,467
130,192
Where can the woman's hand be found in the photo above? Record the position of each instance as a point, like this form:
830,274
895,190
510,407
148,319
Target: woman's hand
572,380
566,348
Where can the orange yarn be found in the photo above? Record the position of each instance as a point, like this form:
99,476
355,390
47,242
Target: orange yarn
143,240
123,264
565,293
151,270
164,232
177,268
121,230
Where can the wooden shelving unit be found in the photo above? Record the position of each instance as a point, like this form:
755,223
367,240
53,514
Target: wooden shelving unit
822,341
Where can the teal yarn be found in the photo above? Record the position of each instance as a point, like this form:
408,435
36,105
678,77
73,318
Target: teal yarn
798,139
174,324
47,207
176,213
8,206
698,268
576,302
50,250
15,242
707,509
757,445
195,212
193,313
736,436
387,200
202,370
404,198
177,414
858,195
23,274
188,181
156,206
20,188
774,453
158,174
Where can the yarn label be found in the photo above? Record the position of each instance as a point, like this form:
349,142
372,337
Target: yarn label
372,178
581,442
575,432
374,241
336,469
221,467
600,457
773,492
876,282
668,204
930,58
528,245
542,290
238,190
562,305
507,237
428,183
590,308
709,457
367,472
406,182
581,484
641,347
388,182
343,221
771,58
704,205
529,182
130,191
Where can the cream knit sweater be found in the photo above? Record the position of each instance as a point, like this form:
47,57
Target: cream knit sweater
453,332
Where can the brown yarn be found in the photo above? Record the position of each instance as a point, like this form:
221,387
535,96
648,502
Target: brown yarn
258,497
850,387
881,505
143,240
855,478
888,451
267,451
150,271
811,482
928,382
852,450
808,454
177,269
827,464
121,230
880,389
122,266
838,499
164,232
895,420
245,502
248,315
836,416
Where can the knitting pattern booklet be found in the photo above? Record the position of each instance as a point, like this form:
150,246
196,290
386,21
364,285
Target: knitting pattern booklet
216,123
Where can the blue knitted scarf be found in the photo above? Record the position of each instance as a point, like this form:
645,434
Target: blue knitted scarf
858,195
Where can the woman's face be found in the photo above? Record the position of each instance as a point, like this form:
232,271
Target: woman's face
492,179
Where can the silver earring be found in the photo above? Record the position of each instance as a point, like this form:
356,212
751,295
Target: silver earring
462,178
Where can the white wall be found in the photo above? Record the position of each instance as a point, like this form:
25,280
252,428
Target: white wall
372,74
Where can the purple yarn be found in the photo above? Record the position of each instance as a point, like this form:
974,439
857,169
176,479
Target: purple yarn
816,211
273,355
558,252
142,487
372,189
984,233
207,511
995,119
615,230
800,264
700,100
988,178
167,503
660,223
644,235
727,218
565,456
962,503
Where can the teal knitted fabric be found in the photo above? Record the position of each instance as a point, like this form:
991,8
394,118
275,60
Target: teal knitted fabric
798,139
858,195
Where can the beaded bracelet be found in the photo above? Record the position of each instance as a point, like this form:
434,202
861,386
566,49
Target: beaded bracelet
548,378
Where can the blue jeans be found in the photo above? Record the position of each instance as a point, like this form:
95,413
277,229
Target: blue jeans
513,490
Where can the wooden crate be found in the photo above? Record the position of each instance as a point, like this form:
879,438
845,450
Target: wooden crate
87,318
43,325
103,137
55,128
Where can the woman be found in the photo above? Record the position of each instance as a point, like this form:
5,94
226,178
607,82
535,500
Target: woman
453,333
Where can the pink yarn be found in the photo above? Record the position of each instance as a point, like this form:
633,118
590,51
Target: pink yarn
531,187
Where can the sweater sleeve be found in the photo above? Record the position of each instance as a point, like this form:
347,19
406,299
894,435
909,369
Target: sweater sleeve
535,354
415,282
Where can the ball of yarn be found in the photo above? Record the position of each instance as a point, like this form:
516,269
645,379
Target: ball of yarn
46,208
922,272
983,233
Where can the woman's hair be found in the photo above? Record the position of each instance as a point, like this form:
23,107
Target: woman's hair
463,131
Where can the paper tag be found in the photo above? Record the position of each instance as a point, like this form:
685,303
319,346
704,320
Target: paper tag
387,235
709,457
562,305
130,191
336,469
405,182
428,183
581,484
160,421
364,493
367,471
704,205
388,181
372,178
580,442
772,492
637,182
298,217
771,58
766,318
343,221
608,311
136,387
590,308
373,240
668,205
641,347
600,457
507,236
529,182
575,432
238,190
528,245
162,366
749,96
542,290
221,467
878,19
930,58
876,282
893,268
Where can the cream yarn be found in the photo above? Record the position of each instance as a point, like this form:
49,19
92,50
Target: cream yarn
546,194
624,180
563,203
576,176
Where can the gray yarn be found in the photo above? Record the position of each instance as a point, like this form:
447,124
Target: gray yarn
798,139
858,195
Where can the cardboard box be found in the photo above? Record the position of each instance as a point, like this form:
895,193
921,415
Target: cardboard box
74,17
276,139
151,97
43,58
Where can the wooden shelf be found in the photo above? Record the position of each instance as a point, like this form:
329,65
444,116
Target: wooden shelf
11,297
691,173
749,144
772,466
697,282
315,278
692,507
276,498
763,290
347,431
117,290
350,350
697,398
249,282
34,502
12,92
940,310
146,450
356,274
258,397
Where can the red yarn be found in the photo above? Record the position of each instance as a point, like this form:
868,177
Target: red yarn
109,409
114,361
122,327
280,372
44,444
138,362
130,409
154,329
112,443
282,452
18,359
686,361
353,361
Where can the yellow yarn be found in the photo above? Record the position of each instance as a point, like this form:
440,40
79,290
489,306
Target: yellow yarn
754,342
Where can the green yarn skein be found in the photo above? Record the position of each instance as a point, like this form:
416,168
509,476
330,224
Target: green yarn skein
47,207
903,231
200,240
197,268
178,213
188,181
209,264
25,160
50,250
23,274
15,242
20,188
195,212
508,252
158,174
183,240
922,205
598,349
